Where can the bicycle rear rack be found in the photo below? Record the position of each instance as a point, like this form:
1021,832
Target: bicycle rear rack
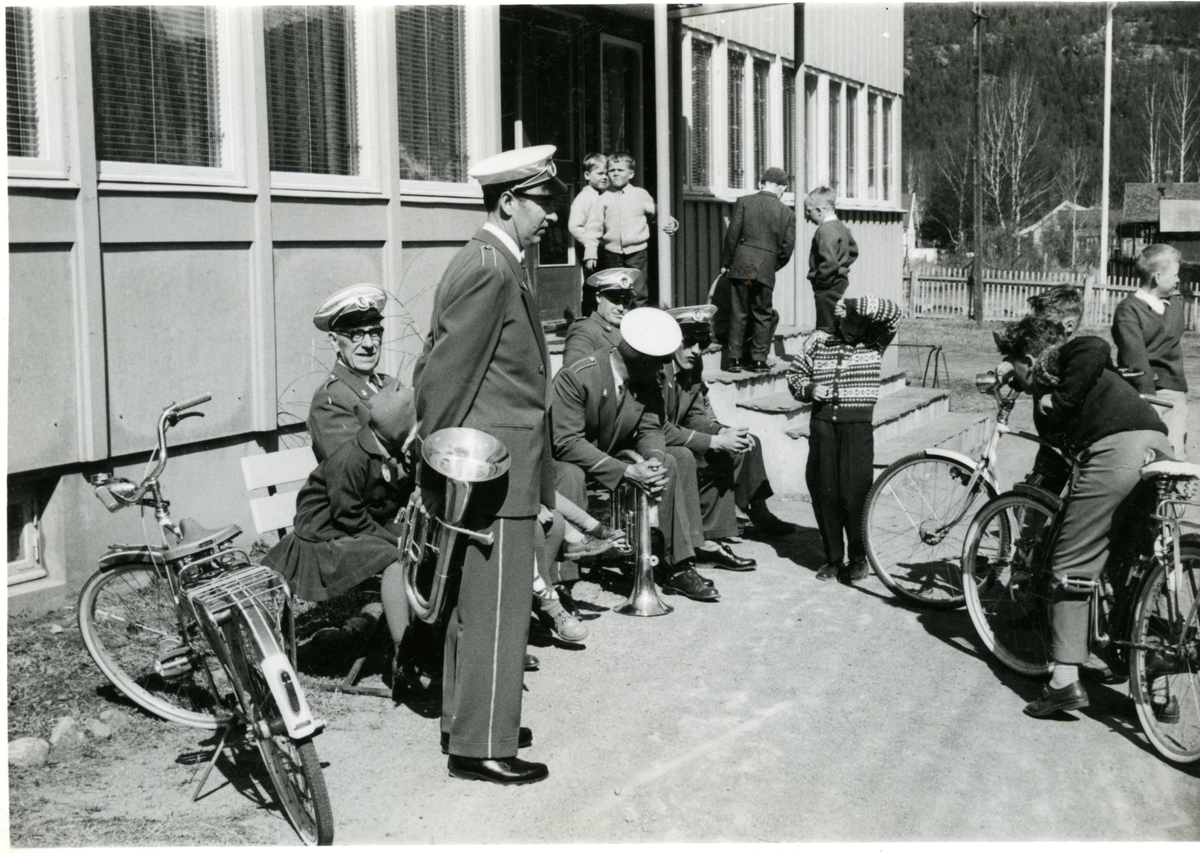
259,584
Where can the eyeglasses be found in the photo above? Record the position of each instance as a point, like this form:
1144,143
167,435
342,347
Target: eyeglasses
357,335
693,340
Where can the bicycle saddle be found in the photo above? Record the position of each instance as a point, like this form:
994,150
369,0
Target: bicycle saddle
1169,468
197,538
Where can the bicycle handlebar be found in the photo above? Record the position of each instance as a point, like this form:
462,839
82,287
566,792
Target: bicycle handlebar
191,401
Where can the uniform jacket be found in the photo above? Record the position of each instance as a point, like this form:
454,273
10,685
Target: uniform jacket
592,422
760,238
589,335
690,420
339,408
485,366
356,492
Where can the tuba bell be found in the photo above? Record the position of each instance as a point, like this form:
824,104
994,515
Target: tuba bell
464,457
636,513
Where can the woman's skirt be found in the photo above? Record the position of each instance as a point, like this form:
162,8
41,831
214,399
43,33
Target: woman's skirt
319,571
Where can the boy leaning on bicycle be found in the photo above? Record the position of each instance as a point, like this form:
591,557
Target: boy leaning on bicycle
1084,404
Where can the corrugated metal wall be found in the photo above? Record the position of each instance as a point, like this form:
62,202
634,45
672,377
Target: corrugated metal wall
769,28
861,41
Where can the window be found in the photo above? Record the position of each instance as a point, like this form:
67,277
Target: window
24,541
810,132
886,146
851,141
835,126
737,119
33,76
762,71
872,145
22,82
312,98
701,147
431,79
154,79
789,124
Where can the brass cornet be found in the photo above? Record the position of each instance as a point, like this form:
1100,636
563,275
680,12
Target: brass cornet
464,457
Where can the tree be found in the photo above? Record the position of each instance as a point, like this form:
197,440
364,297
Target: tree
1076,171
1014,180
1181,119
1153,113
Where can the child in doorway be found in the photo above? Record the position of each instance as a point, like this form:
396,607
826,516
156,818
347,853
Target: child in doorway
1147,329
595,177
839,372
833,251
618,230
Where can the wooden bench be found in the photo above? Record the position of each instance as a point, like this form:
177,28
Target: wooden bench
276,511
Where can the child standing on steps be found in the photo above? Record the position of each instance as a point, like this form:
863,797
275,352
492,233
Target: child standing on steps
839,372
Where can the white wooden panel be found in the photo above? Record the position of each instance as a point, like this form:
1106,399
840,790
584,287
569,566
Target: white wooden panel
274,512
266,470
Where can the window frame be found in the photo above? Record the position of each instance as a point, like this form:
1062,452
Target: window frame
53,162
369,59
234,76
714,156
30,567
638,48
480,27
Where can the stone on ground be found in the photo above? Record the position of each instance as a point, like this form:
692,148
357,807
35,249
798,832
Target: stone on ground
28,752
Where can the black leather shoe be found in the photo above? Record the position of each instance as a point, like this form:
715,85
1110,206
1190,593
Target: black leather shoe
524,739
857,571
509,771
531,663
829,570
758,366
724,557
734,367
1058,700
687,582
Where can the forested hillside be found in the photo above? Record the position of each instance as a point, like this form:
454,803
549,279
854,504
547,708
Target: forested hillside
1043,66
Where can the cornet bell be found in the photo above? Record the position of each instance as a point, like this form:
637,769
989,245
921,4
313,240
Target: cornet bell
465,454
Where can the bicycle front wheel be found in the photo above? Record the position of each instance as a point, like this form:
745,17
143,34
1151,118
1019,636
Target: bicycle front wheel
291,763
1165,666
1006,581
131,629
914,523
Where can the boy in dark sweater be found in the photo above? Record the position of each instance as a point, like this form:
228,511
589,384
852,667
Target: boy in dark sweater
1147,329
1106,426
839,372
833,251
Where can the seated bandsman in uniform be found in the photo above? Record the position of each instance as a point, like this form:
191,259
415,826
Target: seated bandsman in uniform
730,467
353,318
346,529
602,328
611,401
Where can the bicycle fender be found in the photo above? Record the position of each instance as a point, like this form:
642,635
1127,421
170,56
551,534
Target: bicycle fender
1047,497
118,555
967,462
281,678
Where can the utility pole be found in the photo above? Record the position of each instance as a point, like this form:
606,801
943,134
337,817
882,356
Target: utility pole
977,266
1102,276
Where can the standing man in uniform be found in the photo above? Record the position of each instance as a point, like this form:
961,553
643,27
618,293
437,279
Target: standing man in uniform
759,240
353,318
615,293
485,366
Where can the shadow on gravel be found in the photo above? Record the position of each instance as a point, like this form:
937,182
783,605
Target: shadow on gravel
803,547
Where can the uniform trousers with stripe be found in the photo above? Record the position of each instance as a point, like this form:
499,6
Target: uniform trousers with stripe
840,469
729,481
486,636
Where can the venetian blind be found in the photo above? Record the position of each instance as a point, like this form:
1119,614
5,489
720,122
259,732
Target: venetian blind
155,86
22,82
701,155
851,141
872,128
311,95
886,147
761,111
431,78
737,119
835,121
789,124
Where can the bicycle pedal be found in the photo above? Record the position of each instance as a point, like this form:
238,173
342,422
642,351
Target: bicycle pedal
174,663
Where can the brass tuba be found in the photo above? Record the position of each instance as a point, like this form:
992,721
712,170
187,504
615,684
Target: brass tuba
464,457
633,510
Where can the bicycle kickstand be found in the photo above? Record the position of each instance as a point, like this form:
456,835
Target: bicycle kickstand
212,762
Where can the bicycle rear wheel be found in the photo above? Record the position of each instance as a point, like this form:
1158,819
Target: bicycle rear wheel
914,523
291,763
131,629
1006,581
1165,666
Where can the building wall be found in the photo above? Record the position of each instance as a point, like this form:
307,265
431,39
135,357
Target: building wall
861,41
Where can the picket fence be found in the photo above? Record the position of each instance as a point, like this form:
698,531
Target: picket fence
939,292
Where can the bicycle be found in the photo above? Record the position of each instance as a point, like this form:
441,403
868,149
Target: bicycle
917,512
1008,582
193,631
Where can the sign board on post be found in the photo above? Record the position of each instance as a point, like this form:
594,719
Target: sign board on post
1179,215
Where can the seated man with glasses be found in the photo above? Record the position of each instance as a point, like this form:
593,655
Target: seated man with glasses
602,329
353,317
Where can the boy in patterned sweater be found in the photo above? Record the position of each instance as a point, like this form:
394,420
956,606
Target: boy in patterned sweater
839,373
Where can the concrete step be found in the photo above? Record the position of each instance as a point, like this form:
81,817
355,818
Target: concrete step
789,341
896,413
967,432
